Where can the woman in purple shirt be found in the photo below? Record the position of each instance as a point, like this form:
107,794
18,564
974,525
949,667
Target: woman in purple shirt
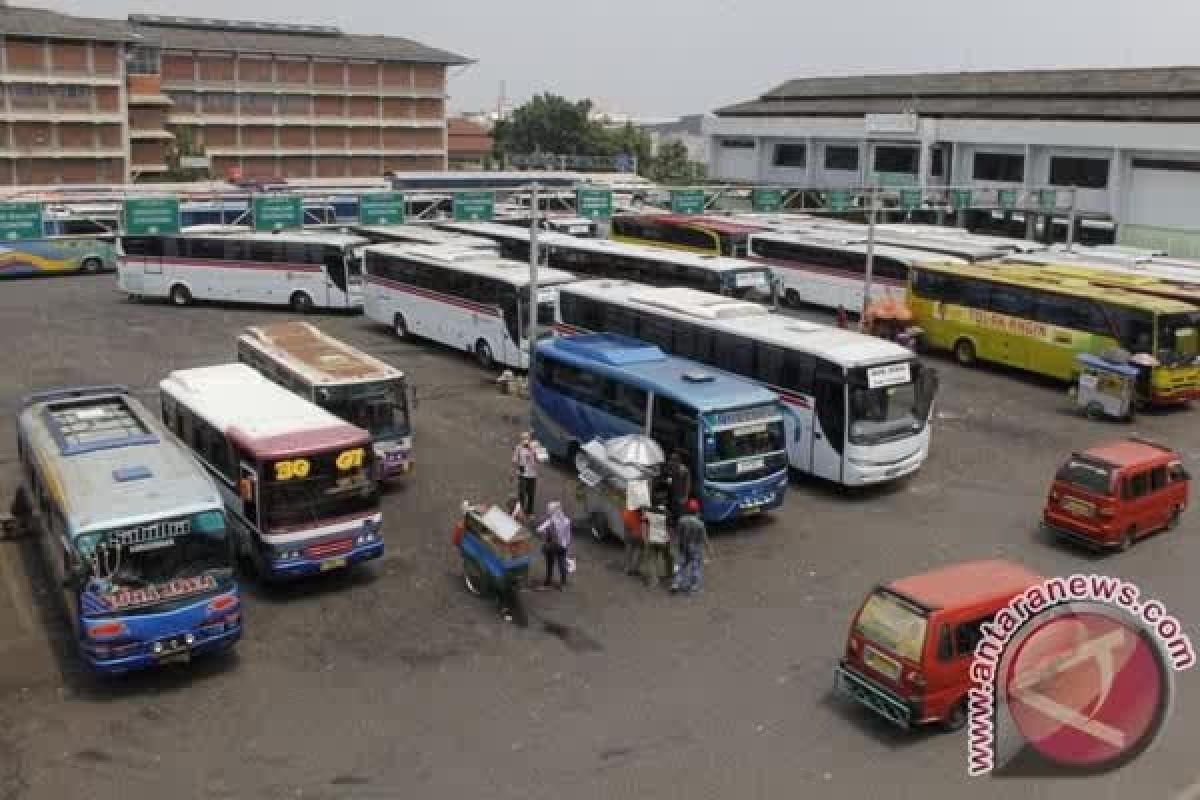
557,531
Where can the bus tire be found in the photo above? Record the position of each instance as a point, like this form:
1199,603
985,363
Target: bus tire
483,354
964,352
91,265
179,295
791,298
301,303
400,327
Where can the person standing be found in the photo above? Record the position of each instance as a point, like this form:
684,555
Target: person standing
657,541
692,537
525,461
556,529
679,487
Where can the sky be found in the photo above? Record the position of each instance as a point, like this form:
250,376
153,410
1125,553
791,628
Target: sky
657,59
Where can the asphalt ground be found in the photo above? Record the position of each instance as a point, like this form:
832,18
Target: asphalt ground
391,681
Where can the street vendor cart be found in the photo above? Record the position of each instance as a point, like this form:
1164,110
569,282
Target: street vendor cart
1107,387
617,480
497,552
891,318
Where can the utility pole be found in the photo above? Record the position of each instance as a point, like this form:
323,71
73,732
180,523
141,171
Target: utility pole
1071,221
870,257
533,289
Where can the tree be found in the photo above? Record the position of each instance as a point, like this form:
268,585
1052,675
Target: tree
672,165
549,124
184,144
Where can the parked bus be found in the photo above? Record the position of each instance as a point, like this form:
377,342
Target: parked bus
857,407
695,233
729,431
298,483
238,212
558,223
604,258
821,271
1114,277
350,384
131,529
299,269
461,297
1176,272
1040,323
55,256
420,234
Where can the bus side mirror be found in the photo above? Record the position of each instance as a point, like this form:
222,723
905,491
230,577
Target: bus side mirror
75,578
246,490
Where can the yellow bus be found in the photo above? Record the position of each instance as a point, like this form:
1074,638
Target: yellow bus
1115,278
1040,322
694,233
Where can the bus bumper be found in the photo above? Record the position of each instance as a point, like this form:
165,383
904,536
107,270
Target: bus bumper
1174,397
723,503
302,567
867,473
848,683
210,639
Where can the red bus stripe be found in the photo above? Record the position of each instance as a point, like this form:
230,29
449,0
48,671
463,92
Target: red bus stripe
435,296
217,264
823,271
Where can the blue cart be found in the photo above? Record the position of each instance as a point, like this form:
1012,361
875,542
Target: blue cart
497,552
1106,388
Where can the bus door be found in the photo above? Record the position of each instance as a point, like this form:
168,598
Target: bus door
829,425
337,292
246,506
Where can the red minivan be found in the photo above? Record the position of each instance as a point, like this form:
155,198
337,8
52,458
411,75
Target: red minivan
1114,494
908,655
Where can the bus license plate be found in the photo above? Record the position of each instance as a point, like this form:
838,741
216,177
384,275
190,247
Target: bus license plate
751,465
176,658
333,563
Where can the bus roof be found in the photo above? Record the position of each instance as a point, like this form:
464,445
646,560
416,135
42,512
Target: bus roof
108,462
264,418
318,357
473,260
714,224
843,347
829,240
1033,279
421,234
294,236
696,385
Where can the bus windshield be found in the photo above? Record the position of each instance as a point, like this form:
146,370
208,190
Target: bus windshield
381,409
1177,337
744,445
306,490
158,553
881,413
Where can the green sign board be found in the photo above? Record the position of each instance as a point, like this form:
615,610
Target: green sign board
687,201
594,203
960,199
910,199
474,205
766,199
841,200
1006,198
273,212
151,216
1048,199
381,208
21,221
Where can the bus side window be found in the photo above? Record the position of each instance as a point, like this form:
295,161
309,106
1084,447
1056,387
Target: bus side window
675,428
335,266
798,371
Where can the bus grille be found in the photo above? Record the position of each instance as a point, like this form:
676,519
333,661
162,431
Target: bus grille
327,549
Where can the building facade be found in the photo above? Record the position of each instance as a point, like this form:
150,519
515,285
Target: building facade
469,144
1123,143
107,101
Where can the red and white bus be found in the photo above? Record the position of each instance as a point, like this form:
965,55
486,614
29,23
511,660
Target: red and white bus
299,269
298,483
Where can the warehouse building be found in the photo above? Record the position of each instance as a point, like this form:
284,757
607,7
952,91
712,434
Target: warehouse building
1124,143
89,101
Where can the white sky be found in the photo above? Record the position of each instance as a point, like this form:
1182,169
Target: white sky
662,58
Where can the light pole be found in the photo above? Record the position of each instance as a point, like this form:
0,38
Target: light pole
533,291
868,272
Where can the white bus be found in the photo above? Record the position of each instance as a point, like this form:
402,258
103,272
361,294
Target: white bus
358,388
420,234
298,483
300,269
466,298
604,258
858,408
824,271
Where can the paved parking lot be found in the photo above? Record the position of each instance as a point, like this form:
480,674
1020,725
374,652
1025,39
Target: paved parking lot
391,681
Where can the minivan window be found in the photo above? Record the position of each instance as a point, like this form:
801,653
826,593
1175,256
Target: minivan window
1139,485
889,621
1158,478
1088,475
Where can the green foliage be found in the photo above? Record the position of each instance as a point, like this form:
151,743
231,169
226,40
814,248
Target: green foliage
672,165
184,144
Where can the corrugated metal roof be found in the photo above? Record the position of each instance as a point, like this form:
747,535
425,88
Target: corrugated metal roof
1154,93
372,48
16,21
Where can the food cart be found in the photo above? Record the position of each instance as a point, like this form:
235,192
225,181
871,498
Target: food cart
1107,387
891,319
497,552
616,480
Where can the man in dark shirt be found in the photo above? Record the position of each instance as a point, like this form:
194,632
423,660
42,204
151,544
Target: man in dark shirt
679,487
692,535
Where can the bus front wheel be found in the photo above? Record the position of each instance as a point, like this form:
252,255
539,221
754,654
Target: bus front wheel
791,298
301,303
483,354
180,295
400,327
964,352
91,265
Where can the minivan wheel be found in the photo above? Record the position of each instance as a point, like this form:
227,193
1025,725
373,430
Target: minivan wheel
964,352
1173,520
956,718
1126,540
180,295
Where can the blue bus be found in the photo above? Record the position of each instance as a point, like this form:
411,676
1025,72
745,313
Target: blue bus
131,528
729,430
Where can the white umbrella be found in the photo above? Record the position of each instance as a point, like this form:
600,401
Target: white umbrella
635,450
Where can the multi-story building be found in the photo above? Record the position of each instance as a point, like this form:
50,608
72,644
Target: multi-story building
108,101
